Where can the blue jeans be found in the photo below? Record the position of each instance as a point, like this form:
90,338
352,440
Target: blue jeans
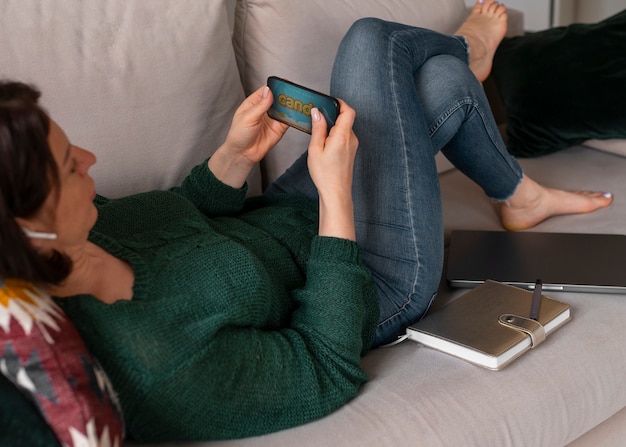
414,96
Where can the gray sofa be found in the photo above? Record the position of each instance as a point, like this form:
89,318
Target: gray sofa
150,88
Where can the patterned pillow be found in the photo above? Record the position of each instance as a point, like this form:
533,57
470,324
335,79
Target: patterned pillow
44,356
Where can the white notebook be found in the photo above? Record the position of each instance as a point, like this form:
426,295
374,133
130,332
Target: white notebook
474,326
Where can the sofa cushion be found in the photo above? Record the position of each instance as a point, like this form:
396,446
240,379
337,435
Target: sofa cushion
563,86
614,146
314,30
149,86
43,355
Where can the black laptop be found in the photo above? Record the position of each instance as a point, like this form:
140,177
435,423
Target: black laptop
573,262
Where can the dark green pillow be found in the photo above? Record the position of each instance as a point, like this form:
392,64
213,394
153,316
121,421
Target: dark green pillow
21,424
562,86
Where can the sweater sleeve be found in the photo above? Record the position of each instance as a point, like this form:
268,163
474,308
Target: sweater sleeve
339,296
209,195
252,381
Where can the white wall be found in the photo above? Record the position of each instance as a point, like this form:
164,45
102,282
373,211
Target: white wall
537,14
589,11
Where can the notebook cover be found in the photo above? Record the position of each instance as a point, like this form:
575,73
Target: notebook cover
469,328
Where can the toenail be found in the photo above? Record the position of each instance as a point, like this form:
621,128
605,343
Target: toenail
608,195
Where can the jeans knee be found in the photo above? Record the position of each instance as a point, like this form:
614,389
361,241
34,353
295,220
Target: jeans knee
366,27
368,35
444,78
358,55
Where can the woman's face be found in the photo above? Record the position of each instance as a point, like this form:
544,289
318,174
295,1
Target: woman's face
68,210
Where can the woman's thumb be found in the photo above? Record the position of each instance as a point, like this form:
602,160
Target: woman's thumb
318,127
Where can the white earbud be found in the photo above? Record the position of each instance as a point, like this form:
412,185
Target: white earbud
39,235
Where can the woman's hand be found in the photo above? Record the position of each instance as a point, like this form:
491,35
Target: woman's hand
331,165
251,136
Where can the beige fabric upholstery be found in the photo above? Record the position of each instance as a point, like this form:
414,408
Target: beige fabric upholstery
616,146
149,86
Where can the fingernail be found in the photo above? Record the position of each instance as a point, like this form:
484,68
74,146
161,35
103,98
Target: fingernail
315,114
266,91
608,195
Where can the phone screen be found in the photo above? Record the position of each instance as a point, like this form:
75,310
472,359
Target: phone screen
293,103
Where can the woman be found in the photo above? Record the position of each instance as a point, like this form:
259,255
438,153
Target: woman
221,317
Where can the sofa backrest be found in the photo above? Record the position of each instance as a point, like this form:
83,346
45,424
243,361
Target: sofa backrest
298,40
149,86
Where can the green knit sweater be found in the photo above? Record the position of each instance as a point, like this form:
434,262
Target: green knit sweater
243,320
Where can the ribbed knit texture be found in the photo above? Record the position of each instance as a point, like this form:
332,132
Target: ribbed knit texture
21,423
243,321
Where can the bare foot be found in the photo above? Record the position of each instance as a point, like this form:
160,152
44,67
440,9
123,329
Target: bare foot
484,29
533,203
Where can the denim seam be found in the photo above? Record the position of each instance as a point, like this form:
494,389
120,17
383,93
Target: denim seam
476,106
411,217
463,41
449,112
519,173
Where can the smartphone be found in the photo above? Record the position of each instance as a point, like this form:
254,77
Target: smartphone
293,103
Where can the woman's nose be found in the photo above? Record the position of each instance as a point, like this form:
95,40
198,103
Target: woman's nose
86,159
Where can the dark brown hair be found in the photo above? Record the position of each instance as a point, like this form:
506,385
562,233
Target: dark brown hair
28,173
